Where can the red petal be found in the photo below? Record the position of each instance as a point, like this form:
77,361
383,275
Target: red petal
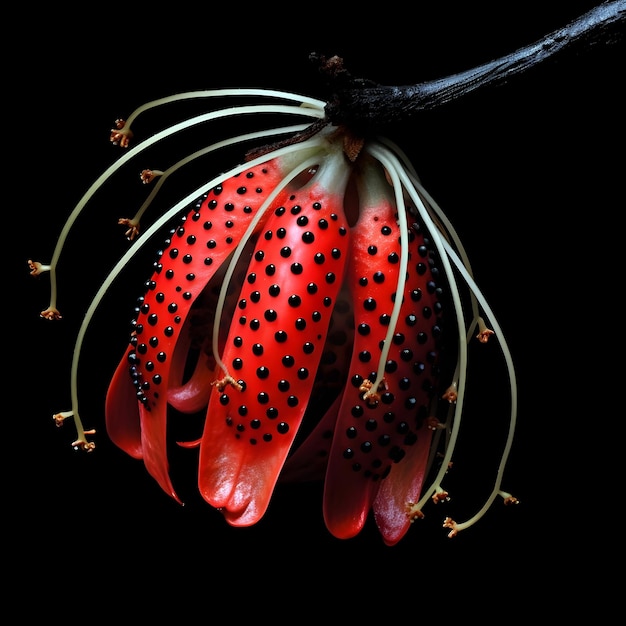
122,412
402,487
372,438
195,252
310,459
248,433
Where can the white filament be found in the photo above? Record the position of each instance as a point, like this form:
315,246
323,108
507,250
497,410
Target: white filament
207,117
380,156
438,242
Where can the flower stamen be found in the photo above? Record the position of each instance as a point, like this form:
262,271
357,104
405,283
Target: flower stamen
450,523
483,332
450,394
508,498
36,268
121,134
59,418
222,383
432,423
82,444
368,394
147,176
133,227
413,512
51,313
440,496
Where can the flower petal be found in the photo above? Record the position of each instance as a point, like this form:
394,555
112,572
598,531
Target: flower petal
192,256
402,488
381,418
275,346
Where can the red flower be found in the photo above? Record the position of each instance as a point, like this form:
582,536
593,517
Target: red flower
302,303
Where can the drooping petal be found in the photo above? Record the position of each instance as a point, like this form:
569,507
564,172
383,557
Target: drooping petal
189,393
122,411
401,489
191,257
308,460
275,345
379,420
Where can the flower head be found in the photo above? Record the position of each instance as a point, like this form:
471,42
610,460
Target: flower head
303,303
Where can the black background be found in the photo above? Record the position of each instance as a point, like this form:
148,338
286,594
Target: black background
531,174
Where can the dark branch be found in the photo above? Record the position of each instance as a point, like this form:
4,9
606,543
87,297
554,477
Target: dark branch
362,104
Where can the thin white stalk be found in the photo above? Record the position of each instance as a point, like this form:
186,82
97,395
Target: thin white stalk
206,117
204,151
224,93
462,267
512,381
381,157
438,241
432,203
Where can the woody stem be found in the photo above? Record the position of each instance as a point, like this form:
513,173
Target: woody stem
361,103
